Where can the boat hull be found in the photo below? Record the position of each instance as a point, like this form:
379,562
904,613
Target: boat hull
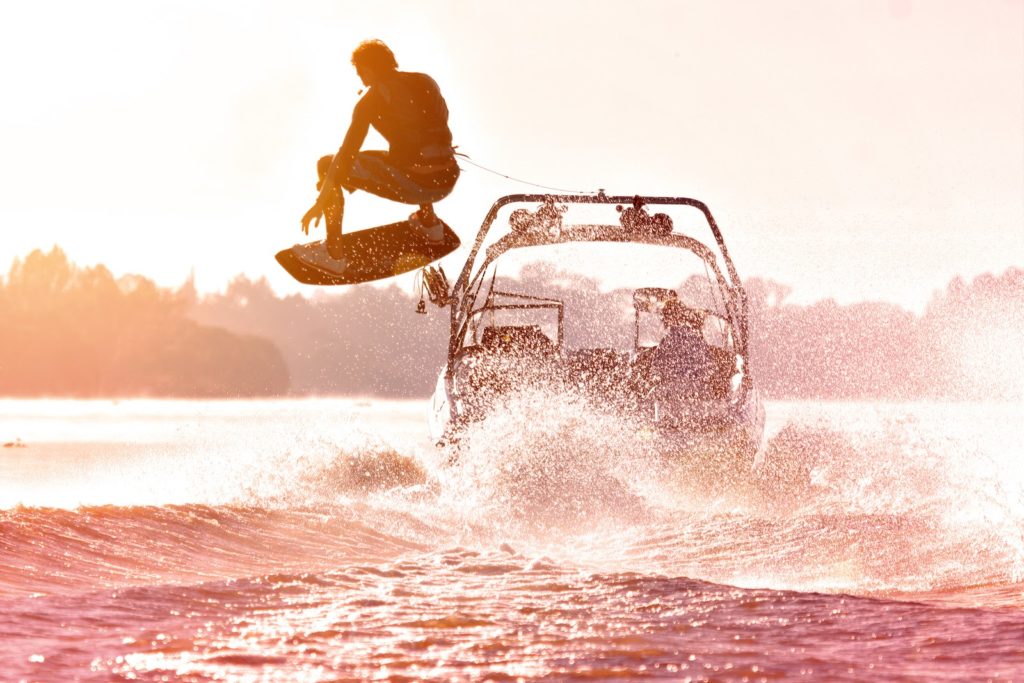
730,429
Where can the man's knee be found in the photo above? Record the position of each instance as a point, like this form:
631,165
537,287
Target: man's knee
324,165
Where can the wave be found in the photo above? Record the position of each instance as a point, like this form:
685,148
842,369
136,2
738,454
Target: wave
875,507
48,550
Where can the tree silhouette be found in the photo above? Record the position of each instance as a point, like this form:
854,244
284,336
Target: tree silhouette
72,331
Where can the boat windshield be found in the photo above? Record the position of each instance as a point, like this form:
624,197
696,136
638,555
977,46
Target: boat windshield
580,295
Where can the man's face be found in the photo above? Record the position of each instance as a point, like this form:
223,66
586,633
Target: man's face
366,74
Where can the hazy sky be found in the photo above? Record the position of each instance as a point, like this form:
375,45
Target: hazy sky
855,150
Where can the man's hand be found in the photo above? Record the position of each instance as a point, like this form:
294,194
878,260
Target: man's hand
314,215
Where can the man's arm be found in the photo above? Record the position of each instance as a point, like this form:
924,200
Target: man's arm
330,191
354,138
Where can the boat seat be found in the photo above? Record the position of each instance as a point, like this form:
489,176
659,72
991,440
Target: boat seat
723,367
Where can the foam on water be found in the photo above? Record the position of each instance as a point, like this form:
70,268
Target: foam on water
847,498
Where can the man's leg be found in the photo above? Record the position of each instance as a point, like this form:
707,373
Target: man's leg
373,172
334,212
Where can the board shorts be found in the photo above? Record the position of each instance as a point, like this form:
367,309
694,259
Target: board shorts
376,173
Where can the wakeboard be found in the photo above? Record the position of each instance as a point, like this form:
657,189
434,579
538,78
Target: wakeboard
371,254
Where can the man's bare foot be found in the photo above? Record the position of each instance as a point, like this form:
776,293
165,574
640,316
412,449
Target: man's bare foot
334,250
333,242
427,214
426,222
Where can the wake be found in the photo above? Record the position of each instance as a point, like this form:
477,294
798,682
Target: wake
844,500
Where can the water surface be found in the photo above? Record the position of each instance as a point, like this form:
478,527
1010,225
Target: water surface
325,540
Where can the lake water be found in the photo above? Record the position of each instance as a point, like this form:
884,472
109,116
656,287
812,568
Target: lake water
327,540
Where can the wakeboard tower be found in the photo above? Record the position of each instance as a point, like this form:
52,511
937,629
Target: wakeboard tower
509,332
366,255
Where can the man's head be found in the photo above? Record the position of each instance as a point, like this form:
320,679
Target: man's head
674,312
373,59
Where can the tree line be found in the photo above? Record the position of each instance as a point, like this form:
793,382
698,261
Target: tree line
968,343
81,332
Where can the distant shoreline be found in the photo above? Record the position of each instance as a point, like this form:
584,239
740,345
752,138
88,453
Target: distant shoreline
79,333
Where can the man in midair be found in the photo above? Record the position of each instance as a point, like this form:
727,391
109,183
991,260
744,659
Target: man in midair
407,109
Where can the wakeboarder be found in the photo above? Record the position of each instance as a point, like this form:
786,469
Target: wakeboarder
419,167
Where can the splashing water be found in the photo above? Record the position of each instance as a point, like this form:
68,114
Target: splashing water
312,540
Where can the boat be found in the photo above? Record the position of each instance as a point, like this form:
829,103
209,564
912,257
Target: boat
593,321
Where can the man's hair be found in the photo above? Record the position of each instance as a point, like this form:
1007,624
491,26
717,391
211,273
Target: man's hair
374,54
